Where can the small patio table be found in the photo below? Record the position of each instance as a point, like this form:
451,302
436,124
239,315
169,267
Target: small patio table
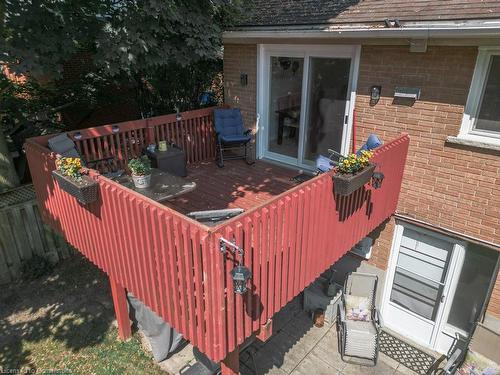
163,186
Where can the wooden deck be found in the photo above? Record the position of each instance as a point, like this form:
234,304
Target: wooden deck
237,185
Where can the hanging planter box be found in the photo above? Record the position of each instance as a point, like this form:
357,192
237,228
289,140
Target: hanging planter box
346,184
85,191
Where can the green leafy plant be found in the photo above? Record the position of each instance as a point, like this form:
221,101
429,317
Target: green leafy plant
140,166
354,163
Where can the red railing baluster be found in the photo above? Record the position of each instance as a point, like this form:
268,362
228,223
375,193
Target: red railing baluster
175,266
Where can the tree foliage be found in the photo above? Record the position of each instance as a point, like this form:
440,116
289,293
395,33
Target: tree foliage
162,53
125,37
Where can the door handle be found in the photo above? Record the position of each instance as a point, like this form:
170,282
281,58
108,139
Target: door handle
442,298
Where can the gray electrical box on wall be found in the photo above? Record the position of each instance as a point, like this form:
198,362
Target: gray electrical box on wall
407,93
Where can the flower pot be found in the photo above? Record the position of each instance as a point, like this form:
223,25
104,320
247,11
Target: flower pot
85,190
346,184
142,182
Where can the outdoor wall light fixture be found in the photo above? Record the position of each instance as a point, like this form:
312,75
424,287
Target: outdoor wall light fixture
77,135
377,179
375,92
243,79
115,129
240,274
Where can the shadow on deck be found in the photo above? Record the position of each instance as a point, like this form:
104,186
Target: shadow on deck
236,185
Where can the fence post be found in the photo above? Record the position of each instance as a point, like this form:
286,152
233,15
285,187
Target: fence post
150,132
120,303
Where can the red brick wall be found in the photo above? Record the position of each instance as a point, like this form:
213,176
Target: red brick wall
450,186
494,304
445,185
241,59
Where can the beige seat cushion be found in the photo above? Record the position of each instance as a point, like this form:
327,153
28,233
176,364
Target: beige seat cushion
357,308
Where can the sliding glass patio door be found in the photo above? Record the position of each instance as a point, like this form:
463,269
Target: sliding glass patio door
305,101
285,94
327,98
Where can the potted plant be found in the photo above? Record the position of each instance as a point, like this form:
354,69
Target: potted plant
141,171
353,172
70,179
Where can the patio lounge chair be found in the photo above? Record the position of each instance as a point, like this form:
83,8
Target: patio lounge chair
231,135
63,145
359,321
481,348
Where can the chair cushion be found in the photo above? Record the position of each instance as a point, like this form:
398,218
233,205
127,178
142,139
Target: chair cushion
235,138
323,163
357,308
228,122
371,143
63,145
476,363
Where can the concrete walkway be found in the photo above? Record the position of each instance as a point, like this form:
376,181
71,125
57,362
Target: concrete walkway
300,348
297,347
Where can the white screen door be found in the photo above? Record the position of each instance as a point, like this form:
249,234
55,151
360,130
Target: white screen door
419,280
305,100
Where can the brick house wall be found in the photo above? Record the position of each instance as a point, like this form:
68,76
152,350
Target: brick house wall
445,185
241,59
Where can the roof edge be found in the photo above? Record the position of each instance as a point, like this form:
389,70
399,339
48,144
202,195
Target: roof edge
436,29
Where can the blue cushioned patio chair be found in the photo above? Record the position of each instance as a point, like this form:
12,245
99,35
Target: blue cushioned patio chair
231,135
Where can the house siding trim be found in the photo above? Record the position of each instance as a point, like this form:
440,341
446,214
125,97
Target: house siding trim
446,231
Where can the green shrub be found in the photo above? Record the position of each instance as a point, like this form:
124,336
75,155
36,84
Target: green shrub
140,166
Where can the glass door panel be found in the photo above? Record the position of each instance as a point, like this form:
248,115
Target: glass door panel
420,273
285,97
326,105
472,288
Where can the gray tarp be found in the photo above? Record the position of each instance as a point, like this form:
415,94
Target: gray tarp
162,337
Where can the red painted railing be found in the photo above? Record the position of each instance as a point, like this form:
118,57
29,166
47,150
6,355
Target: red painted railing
194,133
174,264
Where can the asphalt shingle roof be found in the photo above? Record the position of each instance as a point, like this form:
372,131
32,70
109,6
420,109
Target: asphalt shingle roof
307,12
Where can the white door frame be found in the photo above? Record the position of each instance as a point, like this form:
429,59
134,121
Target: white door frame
264,51
437,342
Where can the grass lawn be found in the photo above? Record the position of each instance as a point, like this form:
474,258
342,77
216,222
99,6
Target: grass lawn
62,323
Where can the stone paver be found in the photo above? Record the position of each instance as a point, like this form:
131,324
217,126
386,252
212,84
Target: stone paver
297,347
300,348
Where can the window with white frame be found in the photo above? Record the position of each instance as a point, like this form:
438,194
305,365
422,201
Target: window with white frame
481,120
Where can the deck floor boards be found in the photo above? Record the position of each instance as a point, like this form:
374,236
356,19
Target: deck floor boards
236,185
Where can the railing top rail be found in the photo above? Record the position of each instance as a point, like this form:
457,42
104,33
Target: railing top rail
402,138
107,129
95,174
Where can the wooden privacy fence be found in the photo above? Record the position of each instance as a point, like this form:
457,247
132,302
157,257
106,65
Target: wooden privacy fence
23,234
174,264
